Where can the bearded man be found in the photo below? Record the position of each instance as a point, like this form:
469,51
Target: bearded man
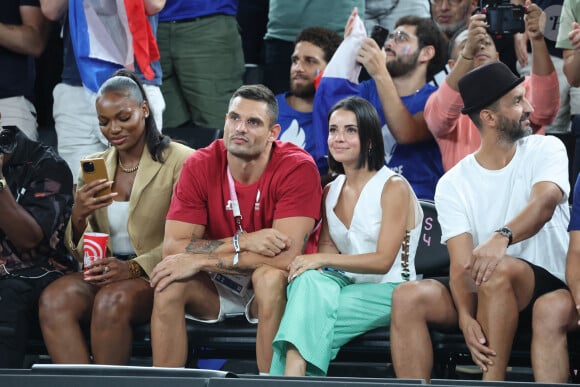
314,47
503,212
398,89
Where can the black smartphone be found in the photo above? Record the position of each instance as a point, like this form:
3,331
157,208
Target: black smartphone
379,35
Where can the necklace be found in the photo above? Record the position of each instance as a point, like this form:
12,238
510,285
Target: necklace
127,170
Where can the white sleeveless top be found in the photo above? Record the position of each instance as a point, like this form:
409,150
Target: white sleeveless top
363,234
118,214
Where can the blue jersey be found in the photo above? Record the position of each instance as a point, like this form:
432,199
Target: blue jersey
298,128
575,213
420,162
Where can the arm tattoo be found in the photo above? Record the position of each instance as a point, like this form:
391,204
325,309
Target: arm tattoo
202,246
221,264
305,243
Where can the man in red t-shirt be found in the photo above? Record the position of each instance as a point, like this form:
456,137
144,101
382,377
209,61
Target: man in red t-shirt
243,202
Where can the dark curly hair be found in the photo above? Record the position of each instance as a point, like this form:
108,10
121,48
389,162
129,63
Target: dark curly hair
327,40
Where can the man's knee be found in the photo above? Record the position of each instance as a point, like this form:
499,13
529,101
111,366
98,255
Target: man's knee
415,298
172,296
554,312
269,282
502,278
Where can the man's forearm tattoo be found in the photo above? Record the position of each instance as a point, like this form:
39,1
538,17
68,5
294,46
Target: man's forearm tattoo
222,265
202,246
304,244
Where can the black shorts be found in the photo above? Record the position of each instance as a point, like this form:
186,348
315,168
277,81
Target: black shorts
544,282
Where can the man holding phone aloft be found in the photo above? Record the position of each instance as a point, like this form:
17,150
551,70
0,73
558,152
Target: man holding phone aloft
35,204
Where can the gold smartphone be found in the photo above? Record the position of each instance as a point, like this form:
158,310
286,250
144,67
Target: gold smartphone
95,169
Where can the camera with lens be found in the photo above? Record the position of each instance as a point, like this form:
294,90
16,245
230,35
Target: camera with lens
502,17
7,139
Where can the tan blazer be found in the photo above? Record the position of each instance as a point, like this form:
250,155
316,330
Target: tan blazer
148,204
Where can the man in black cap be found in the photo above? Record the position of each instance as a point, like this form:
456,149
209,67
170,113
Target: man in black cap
503,212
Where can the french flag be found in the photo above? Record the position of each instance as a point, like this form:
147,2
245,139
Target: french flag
109,35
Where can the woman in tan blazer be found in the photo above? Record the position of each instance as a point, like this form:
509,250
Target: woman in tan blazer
114,293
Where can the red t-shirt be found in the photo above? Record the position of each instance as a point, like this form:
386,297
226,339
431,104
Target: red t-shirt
290,186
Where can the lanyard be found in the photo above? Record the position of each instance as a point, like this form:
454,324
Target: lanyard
235,205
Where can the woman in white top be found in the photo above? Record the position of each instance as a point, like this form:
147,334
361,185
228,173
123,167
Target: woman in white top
370,230
114,294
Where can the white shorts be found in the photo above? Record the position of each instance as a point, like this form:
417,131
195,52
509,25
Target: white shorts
20,112
76,125
231,305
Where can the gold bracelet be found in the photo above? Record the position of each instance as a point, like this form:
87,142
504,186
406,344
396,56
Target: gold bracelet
135,269
464,57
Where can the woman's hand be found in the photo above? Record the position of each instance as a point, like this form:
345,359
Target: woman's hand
86,201
107,270
304,262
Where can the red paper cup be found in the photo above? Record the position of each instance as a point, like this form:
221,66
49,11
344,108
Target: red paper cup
95,247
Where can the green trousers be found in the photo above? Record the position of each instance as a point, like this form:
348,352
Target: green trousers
326,310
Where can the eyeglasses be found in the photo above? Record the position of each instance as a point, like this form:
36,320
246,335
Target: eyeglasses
399,36
453,3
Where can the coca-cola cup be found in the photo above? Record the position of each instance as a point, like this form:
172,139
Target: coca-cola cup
95,248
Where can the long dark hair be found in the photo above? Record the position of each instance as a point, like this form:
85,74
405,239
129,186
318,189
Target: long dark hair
372,149
126,81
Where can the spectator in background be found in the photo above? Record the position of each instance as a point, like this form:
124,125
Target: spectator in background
35,203
314,48
252,18
143,167
569,40
569,96
23,36
451,15
398,90
387,12
75,118
456,134
285,21
202,60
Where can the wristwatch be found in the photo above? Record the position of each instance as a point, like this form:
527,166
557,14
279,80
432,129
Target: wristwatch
506,232
3,184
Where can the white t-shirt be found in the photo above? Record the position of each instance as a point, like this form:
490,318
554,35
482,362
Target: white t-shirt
472,199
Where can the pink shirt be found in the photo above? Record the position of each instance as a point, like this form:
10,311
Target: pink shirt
458,136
